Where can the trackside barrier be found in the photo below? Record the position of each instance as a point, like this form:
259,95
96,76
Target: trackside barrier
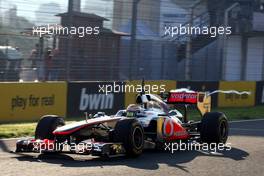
29,101
93,97
234,100
260,93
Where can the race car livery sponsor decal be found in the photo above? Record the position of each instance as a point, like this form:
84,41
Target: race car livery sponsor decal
182,97
168,129
201,86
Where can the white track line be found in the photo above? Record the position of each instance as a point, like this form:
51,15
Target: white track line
253,120
10,139
246,129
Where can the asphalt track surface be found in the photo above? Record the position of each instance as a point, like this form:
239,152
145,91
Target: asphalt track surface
246,158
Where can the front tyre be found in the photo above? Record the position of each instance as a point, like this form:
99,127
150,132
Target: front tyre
46,125
214,128
131,134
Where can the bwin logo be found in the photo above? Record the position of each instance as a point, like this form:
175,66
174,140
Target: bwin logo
95,101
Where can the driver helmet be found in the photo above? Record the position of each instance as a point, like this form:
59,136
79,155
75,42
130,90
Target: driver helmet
134,108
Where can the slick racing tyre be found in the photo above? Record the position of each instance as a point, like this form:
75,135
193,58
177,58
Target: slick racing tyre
46,125
131,134
214,128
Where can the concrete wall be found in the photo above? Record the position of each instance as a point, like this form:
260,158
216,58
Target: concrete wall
244,60
255,59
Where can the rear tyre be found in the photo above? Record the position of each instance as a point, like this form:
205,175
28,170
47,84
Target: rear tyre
131,134
214,128
46,125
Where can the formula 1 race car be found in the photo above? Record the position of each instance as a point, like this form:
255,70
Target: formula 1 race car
149,123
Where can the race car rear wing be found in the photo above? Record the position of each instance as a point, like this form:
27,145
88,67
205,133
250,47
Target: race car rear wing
200,99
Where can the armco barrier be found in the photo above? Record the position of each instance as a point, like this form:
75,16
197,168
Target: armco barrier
201,86
88,97
29,101
130,97
234,100
260,93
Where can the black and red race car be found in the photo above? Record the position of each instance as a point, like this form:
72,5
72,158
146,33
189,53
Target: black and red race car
150,122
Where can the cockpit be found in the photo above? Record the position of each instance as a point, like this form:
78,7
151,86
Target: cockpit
144,104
